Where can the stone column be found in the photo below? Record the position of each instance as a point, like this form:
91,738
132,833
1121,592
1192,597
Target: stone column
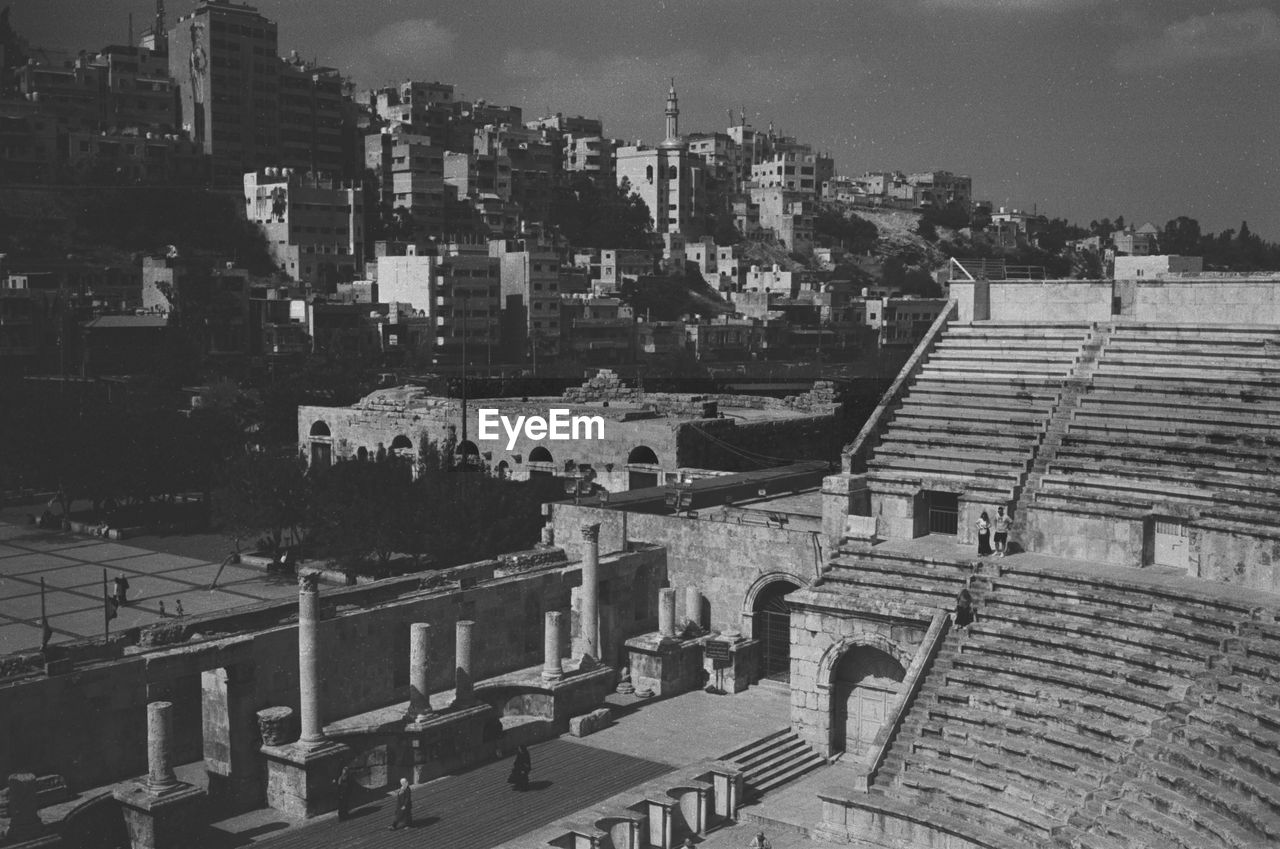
463,688
24,807
419,662
667,612
309,661
552,669
160,775
160,811
693,605
591,590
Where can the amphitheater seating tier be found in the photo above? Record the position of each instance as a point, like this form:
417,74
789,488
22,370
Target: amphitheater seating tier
975,411
1175,415
1085,710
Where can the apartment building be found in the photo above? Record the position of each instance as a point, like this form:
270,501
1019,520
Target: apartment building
224,59
313,225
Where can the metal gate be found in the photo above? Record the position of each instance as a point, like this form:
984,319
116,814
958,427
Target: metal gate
944,513
772,627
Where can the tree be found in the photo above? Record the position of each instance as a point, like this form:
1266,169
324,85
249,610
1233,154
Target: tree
261,493
1181,236
363,508
590,215
855,234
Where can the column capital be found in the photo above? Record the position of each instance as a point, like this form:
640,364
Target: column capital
591,532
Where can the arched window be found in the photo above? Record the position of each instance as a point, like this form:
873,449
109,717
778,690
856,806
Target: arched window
320,429
648,173
642,455
540,455
401,442
673,173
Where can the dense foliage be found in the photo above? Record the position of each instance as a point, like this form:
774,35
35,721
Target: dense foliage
589,215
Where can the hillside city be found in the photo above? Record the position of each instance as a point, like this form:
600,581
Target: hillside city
388,466
200,194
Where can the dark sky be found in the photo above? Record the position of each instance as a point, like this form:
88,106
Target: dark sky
1084,108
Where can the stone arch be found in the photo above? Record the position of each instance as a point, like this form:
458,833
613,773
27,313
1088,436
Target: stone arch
321,429
642,455
540,455
758,586
859,681
504,470
401,442
467,448
835,652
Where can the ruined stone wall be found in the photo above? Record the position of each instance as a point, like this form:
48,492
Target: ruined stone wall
90,725
607,386
725,561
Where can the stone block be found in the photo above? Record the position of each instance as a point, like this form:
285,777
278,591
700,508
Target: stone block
163,820
300,782
589,723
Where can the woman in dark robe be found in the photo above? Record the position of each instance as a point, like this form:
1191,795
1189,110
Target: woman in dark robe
521,768
964,609
984,535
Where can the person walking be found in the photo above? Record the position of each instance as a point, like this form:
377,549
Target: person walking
521,768
343,786
760,842
122,590
1002,524
404,807
984,534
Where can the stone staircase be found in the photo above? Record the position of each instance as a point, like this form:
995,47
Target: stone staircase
774,760
1059,420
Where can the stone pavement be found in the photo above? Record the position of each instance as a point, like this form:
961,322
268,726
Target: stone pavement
695,726
477,809
474,810
72,569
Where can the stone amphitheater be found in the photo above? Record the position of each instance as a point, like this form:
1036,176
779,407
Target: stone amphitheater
1120,686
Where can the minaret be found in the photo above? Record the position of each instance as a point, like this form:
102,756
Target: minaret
673,113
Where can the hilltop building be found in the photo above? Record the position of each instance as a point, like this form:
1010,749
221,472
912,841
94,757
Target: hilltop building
666,177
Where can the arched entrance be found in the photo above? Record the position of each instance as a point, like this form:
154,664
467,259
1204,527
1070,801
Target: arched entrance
321,446
642,468
864,685
771,625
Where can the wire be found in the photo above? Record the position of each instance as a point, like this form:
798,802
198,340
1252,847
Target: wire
743,452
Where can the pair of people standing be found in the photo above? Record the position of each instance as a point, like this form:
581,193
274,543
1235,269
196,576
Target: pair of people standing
1001,524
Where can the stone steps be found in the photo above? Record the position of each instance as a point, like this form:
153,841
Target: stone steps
775,760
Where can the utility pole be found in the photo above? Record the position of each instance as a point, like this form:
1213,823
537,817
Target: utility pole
465,321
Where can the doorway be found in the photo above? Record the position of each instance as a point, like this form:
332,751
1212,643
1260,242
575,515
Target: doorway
1169,544
943,509
864,687
771,626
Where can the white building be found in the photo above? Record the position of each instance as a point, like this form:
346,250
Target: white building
665,177
314,226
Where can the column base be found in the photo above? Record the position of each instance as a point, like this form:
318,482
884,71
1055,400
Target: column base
300,780
165,820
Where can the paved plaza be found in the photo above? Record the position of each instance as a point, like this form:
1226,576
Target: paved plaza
477,809
72,566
